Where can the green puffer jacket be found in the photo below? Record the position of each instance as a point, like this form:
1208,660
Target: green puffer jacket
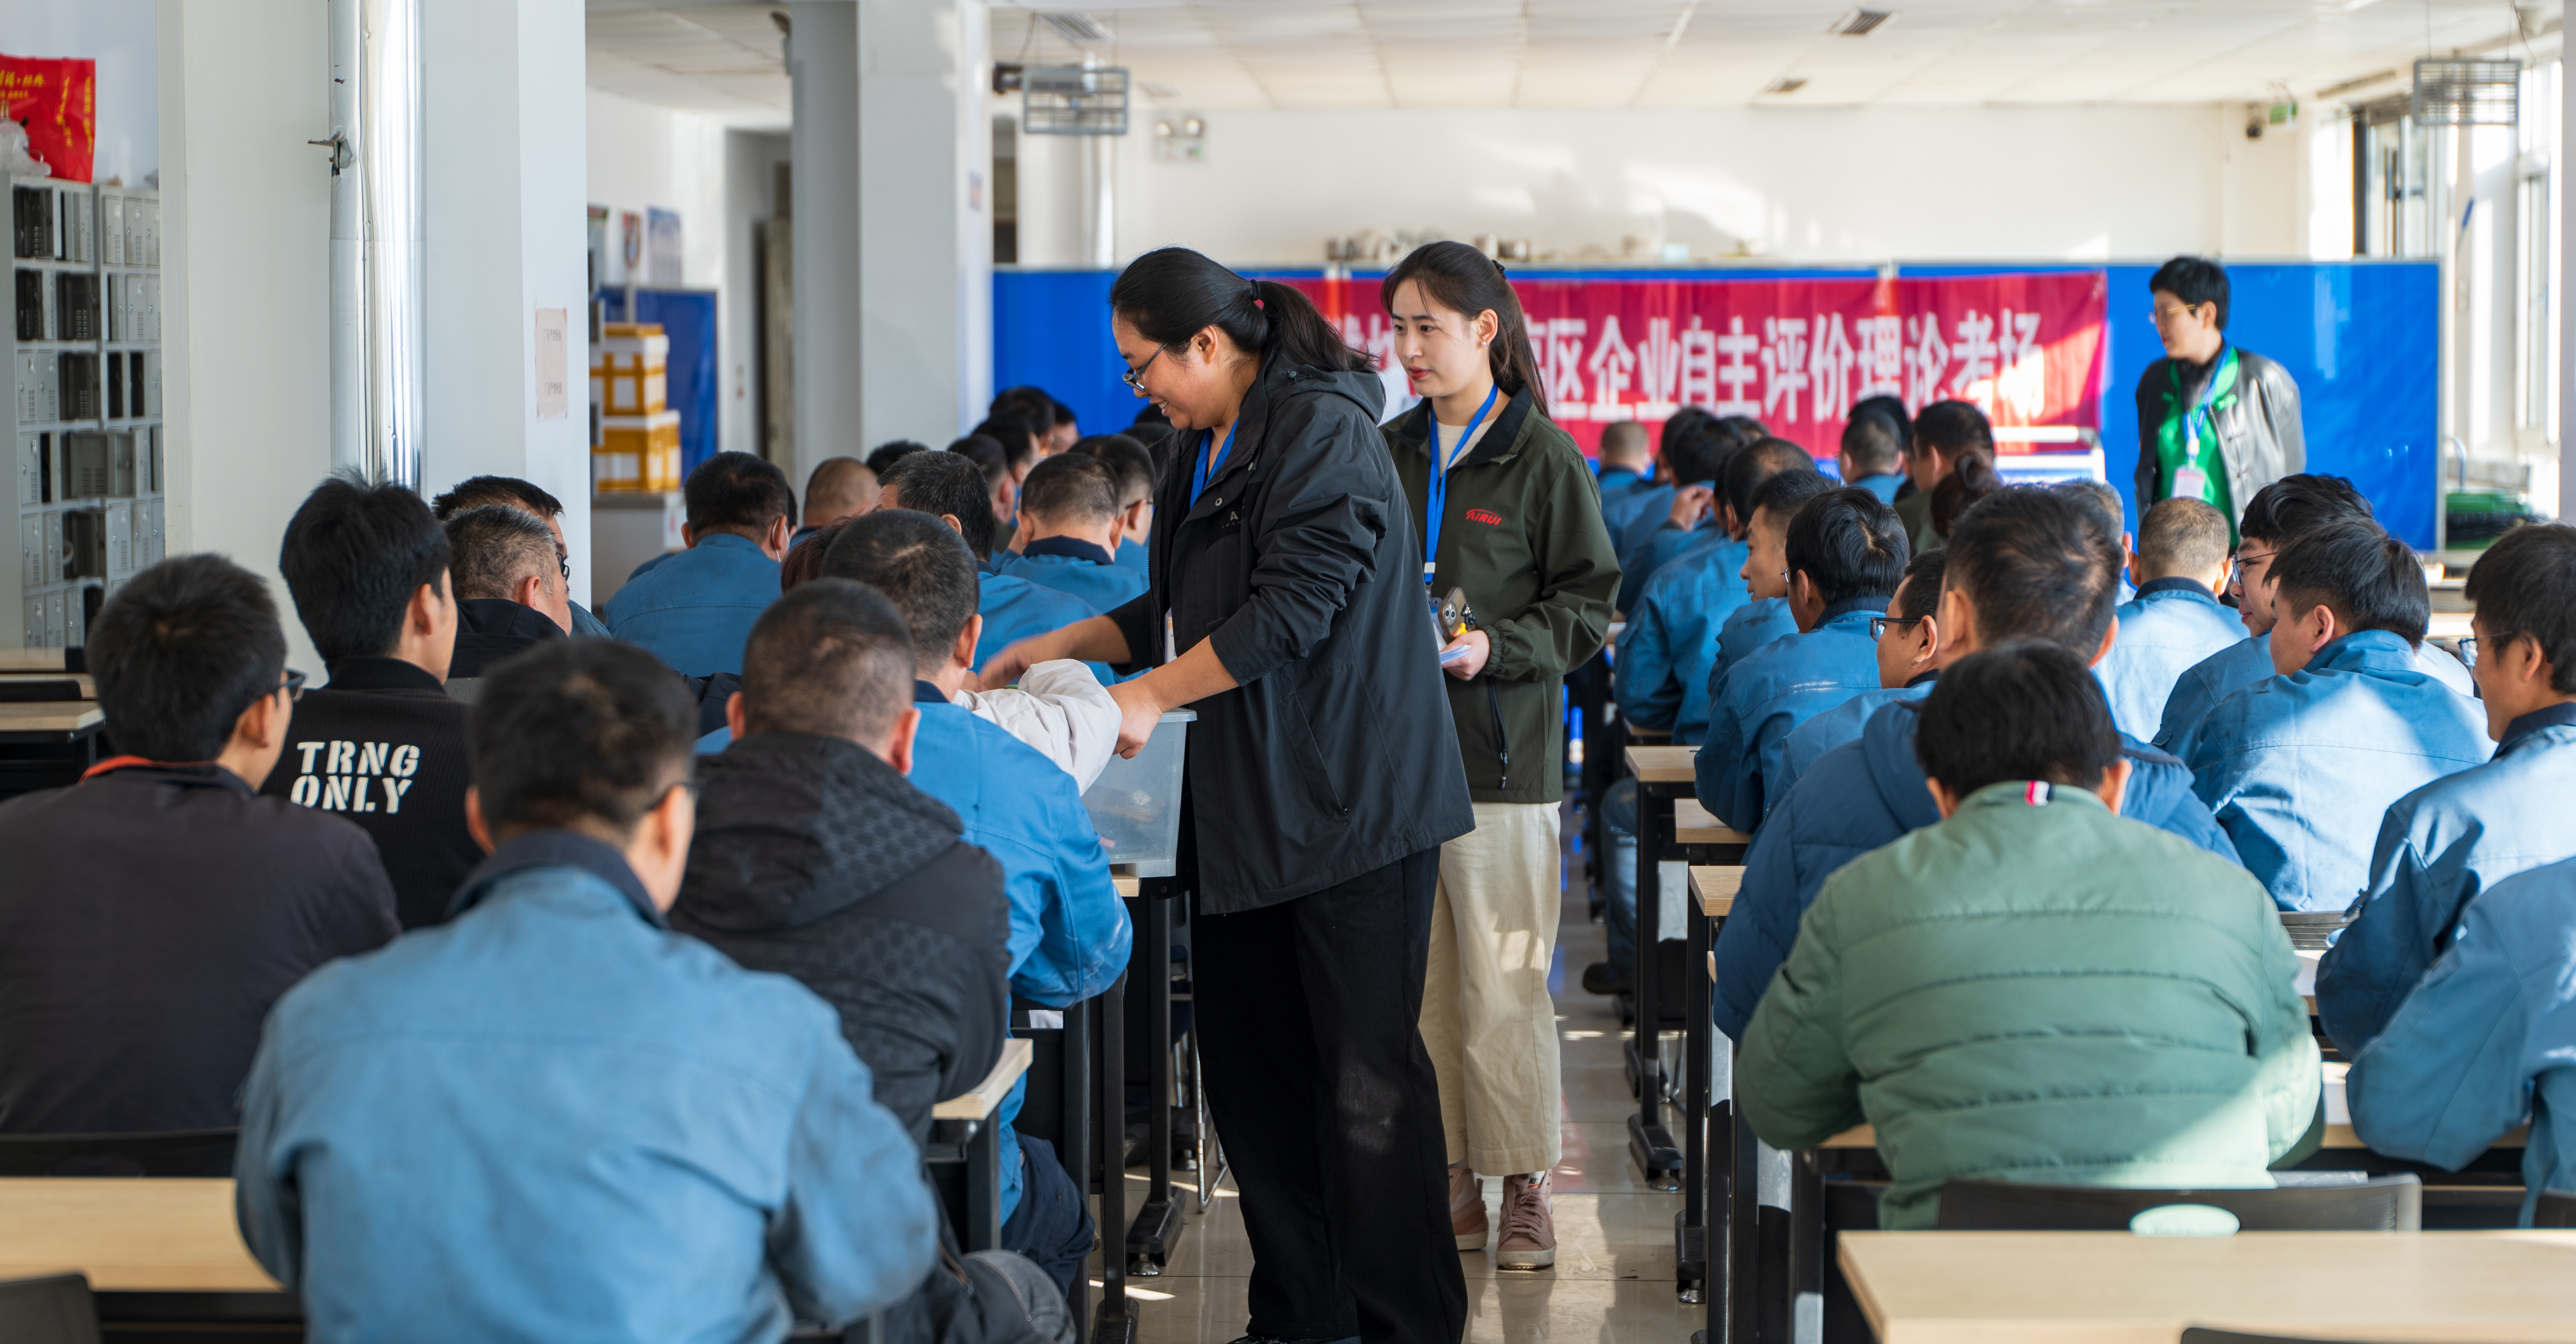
2047,993
1522,534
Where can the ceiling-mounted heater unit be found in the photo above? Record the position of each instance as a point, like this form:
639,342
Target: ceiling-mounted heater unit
1073,100
2455,92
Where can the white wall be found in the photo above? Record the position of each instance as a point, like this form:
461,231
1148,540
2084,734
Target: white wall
640,156
751,177
2072,182
120,35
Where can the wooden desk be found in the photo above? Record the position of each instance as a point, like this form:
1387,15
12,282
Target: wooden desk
1714,887
152,1235
1648,737
1662,765
1127,886
61,719
31,660
88,684
1692,825
980,1102
2114,1288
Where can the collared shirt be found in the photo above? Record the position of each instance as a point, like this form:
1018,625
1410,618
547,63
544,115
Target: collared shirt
1075,568
1742,771
2170,627
1014,608
694,610
559,849
1074,548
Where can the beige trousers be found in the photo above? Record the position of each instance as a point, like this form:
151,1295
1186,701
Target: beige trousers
1486,1015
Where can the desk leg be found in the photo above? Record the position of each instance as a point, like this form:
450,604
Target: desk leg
1158,1220
1648,1142
1743,1234
1115,1322
1690,1227
983,1231
1717,1172
1806,1236
1081,1156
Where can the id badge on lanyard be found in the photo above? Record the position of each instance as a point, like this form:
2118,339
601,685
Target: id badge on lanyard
2191,480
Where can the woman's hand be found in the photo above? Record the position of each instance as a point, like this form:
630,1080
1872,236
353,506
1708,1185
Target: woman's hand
1138,712
1479,647
1005,667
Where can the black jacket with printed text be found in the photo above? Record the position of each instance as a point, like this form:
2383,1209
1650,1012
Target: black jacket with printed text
384,746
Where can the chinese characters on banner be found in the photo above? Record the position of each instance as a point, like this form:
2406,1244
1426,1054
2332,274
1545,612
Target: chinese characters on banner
1794,354
58,99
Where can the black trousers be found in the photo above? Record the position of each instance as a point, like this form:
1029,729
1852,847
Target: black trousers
1309,1028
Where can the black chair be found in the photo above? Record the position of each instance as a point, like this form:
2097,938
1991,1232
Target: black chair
2554,1208
2310,930
52,1310
179,1152
2302,1204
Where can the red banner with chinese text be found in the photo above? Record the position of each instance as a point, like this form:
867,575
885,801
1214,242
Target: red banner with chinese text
58,100
1794,354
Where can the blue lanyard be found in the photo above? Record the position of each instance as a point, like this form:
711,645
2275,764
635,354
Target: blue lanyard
1439,502
1207,467
2208,394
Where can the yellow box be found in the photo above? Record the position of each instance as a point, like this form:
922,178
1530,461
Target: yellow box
637,452
629,369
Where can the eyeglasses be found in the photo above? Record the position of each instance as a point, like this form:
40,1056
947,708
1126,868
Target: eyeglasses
2469,650
2244,566
293,686
563,561
1135,378
1880,625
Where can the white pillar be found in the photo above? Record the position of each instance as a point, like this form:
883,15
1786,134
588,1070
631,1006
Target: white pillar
504,184
823,151
926,227
1051,169
2558,170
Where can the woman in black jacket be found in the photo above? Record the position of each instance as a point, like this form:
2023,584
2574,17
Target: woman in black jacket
1323,775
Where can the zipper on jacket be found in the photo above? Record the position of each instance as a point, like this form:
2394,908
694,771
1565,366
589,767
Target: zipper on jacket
1502,744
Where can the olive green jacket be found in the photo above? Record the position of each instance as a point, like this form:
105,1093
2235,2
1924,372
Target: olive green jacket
2042,992
1522,534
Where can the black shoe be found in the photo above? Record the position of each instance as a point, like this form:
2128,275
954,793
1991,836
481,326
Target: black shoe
1603,977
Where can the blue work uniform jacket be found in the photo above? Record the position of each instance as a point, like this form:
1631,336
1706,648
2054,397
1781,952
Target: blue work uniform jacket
1660,670
1078,570
1014,609
2301,768
1131,554
693,609
1645,500
1069,930
1777,687
1861,796
1808,742
552,1118
1884,485
1747,628
2438,848
1662,547
2249,661
2169,628
2486,1042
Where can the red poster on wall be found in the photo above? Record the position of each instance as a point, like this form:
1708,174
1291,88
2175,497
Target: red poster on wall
58,100
1795,354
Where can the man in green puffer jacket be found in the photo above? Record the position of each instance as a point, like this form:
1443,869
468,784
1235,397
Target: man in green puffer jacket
2037,988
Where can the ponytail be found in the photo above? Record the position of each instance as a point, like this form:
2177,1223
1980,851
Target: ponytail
1970,479
1172,294
1466,281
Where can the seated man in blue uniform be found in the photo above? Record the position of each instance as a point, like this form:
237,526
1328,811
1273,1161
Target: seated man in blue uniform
1907,646
2024,564
1624,466
1132,468
1689,521
552,1117
1651,495
1845,552
2174,622
951,488
1069,932
2453,838
694,609
1873,453
2485,1042
1765,614
1069,534
2301,768
2279,512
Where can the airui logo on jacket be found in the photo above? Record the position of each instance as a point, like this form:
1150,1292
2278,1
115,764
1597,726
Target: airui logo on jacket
354,776
1485,516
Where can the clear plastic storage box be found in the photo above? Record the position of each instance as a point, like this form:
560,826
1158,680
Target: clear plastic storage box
1136,803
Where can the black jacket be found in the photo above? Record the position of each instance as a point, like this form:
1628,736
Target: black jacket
816,860
489,629
2259,432
1336,755
384,746
153,915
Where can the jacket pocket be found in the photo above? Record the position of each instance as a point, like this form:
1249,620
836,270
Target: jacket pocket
1306,755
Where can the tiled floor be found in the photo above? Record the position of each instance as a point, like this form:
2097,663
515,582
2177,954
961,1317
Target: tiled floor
1613,1278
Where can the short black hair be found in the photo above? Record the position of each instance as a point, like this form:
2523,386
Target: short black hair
1679,423
474,492
1892,408
492,548
833,657
578,730
1751,466
1847,541
2301,503
1027,402
1971,478
987,454
2097,495
920,565
2194,280
2181,536
1070,488
355,552
1957,428
2367,578
2037,565
181,650
1698,455
737,490
1130,465
1920,594
1742,428
1787,492
885,455
937,483
2524,587
1017,436
1872,442
2026,709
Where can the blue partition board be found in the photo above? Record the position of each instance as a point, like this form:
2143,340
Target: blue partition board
688,317
2362,339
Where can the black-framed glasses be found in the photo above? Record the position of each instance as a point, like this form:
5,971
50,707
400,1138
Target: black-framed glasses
293,686
1135,378
1880,625
2237,569
563,561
